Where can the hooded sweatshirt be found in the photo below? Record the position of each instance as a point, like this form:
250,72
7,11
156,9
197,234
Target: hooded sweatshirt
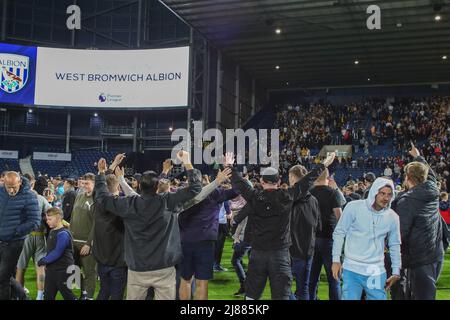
365,230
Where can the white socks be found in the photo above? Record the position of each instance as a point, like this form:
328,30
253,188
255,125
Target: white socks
40,295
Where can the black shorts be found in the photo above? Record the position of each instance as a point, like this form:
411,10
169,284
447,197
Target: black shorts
198,260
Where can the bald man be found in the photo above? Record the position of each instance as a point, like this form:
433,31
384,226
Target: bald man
19,215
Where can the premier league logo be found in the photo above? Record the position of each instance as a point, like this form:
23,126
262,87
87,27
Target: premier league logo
14,72
102,97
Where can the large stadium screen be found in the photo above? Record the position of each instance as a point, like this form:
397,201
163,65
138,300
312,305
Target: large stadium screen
147,78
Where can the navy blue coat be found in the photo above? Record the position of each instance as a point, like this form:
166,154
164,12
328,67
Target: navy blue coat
201,222
19,215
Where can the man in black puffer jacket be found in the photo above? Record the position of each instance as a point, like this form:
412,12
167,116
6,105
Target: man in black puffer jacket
305,220
421,229
19,215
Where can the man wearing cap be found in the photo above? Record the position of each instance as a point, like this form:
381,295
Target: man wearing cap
269,215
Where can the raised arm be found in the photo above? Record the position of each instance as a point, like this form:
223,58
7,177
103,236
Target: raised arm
176,199
307,182
117,205
414,152
206,191
127,190
238,183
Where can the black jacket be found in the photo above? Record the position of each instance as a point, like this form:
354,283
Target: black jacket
152,237
420,223
109,232
67,203
270,210
305,220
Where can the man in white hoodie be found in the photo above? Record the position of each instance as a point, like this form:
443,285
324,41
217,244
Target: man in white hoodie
365,225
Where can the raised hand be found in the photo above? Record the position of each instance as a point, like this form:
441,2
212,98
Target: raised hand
224,175
119,172
414,152
167,165
102,166
229,159
329,160
117,160
184,157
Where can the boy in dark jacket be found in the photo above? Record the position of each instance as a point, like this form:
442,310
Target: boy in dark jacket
58,259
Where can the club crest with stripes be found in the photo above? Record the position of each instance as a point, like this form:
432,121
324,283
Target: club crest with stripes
14,72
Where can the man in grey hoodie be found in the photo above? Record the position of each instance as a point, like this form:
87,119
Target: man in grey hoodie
365,225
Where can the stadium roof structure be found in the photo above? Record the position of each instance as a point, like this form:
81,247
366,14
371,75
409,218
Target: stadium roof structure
326,43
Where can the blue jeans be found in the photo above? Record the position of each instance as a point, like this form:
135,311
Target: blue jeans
240,249
322,257
355,284
301,270
112,282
